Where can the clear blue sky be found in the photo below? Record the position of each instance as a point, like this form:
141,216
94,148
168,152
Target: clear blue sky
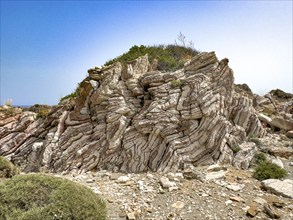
47,46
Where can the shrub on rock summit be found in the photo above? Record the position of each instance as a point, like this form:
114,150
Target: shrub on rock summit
169,57
42,197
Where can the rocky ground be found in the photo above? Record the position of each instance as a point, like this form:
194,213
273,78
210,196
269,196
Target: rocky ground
222,193
205,192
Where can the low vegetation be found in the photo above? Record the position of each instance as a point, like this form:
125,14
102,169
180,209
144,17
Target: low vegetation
236,149
170,57
7,169
43,113
254,139
71,95
176,83
260,157
266,169
43,197
281,94
9,112
41,110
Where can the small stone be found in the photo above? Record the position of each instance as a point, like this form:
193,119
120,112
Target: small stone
90,181
216,175
214,168
173,188
150,176
96,190
235,186
237,199
149,209
166,183
123,179
228,202
178,205
291,164
252,211
204,195
260,201
130,216
110,200
129,183
140,184
193,174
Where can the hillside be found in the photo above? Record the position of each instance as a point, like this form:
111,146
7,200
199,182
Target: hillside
178,116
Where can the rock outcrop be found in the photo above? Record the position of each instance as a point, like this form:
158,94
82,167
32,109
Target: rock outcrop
130,119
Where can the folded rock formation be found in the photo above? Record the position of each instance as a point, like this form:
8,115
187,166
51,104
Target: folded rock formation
130,119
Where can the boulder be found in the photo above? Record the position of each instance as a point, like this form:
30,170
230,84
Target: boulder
281,123
243,158
279,187
285,152
166,183
278,162
264,118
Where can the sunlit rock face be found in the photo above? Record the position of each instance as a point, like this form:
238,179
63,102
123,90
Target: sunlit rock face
131,119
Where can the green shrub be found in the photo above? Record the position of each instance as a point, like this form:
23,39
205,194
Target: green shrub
236,149
260,157
170,57
43,112
268,170
8,112
7,169
252,138
176,83
43,197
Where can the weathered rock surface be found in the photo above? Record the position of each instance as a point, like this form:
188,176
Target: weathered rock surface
132,119
243,158
194,199
282,123
280,187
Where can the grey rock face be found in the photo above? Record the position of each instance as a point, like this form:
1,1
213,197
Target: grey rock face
243,158
133,120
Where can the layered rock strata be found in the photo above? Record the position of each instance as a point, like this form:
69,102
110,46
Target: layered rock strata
131,119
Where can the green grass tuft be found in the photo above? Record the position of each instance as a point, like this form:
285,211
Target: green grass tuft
71,95
176,83
236,149
43,197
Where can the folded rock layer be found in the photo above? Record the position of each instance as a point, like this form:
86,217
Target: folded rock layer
131,119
